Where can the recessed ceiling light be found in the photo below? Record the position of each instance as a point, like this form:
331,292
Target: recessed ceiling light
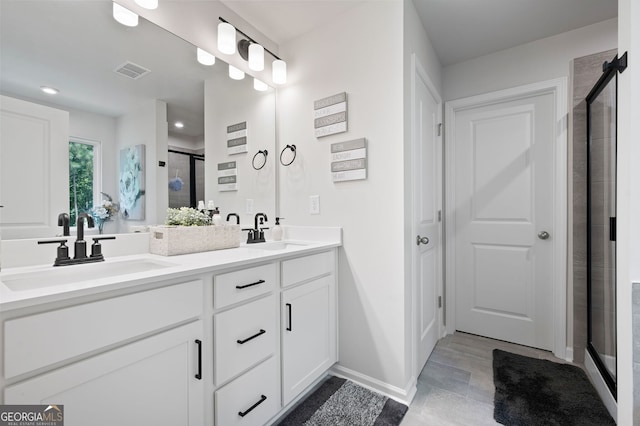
49,90
179,124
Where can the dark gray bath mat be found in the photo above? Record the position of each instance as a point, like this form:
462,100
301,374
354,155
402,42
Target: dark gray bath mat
339,402
533,392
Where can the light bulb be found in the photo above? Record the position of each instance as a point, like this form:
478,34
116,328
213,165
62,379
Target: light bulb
148,4
279,71
49,90
205,58
256,57
235,73
260,86
124,16
226,38
179,124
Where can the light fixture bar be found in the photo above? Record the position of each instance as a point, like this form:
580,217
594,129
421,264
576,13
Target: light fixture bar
250,39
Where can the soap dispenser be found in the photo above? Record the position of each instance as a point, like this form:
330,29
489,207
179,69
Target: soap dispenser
216,219
276,231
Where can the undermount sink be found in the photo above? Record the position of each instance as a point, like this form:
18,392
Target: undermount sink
274,245
79,273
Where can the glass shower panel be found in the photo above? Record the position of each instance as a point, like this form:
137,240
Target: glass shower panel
601,218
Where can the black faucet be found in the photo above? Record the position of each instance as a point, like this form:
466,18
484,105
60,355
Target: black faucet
80,246
256,235
237,217
263,219
63,220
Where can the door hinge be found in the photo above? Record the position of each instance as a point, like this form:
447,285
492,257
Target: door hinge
439,215
439,301
439,129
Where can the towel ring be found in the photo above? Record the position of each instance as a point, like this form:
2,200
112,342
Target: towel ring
293,149
264,161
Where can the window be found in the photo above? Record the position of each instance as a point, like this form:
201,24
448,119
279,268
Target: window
84,177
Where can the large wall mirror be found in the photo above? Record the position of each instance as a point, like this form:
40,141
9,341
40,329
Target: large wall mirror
94,62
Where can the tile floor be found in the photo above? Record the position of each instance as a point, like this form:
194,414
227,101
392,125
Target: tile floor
456,385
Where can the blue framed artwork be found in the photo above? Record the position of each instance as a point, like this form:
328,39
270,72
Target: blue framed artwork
132,182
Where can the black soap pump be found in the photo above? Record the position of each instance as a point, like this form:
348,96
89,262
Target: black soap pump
276,231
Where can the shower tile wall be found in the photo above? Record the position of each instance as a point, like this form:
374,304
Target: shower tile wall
636,353
586,72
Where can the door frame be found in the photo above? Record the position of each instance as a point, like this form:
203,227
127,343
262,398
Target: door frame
558,88
418,71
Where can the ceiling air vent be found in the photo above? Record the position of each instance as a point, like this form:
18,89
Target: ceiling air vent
131,70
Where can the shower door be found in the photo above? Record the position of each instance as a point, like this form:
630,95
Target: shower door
601,222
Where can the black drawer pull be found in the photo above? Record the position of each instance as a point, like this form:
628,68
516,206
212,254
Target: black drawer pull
199,375
288,305
240,287
260,333
250,409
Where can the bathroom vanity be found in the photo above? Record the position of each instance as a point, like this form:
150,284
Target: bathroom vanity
218,338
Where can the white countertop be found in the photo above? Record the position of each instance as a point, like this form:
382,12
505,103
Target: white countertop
87,278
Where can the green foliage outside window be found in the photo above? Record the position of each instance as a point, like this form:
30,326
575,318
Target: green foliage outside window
80,179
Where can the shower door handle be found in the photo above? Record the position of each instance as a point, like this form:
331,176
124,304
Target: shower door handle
543,235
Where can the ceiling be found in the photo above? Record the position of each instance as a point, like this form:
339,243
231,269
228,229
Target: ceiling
458,29
78,47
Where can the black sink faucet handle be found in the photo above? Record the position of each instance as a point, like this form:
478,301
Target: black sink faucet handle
96,247
63,250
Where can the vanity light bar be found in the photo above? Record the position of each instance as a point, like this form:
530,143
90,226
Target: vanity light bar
148,4
227,45
124,15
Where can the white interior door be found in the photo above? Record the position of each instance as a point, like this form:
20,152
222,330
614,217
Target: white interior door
504,218
427,160
34,160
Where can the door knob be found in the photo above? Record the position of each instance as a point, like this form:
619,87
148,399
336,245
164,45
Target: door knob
421,240
543,235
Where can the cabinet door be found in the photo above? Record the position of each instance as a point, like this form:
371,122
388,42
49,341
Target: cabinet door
309,337
148,382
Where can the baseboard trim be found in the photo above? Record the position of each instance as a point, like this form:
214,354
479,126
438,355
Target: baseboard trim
569,354
404,396
601,387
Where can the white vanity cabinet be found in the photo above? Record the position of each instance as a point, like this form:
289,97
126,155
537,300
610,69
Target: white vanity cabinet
246,346
128,360
308,321
220,346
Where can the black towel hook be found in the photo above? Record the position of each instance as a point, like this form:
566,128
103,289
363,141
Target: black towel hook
293,149
264,161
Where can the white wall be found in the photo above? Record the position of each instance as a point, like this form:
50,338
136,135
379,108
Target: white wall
231,103
533,62
360,53
628,192
191,144
148,126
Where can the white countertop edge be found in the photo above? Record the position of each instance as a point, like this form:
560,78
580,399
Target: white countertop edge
185,265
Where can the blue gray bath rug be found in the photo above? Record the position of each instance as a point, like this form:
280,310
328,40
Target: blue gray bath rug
340,402
536,392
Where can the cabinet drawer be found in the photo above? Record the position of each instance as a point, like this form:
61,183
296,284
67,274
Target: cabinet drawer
69,332
252,399
244,336
306,268
241,285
